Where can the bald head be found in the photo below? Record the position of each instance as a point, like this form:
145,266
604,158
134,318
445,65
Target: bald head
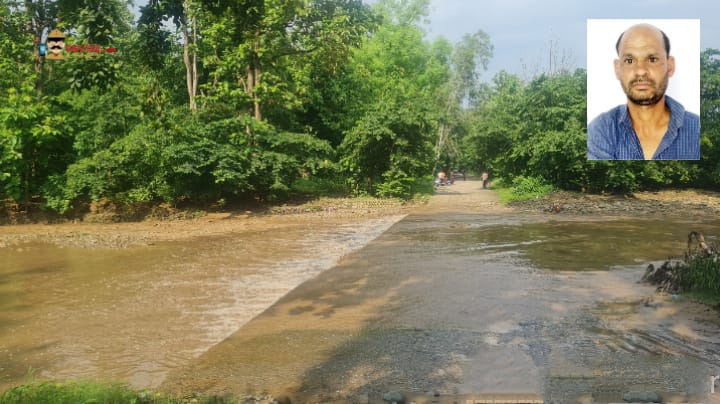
644,64
645,30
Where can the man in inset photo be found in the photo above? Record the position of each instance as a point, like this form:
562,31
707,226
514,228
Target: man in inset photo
650,125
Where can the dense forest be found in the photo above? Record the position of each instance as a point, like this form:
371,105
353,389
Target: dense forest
231,100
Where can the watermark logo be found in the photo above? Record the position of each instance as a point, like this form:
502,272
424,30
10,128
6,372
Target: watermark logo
55,47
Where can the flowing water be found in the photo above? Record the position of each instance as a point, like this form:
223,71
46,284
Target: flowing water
469,304
584,329
134,313
499,303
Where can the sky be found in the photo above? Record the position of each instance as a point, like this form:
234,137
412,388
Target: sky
523,31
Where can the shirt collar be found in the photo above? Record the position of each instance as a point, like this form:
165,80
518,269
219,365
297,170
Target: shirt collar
677,111
677,115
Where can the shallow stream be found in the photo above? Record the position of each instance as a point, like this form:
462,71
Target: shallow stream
544,306
132,314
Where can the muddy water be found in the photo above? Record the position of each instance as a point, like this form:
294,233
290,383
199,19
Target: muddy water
132,314
575,326
559,245
464,300
465,303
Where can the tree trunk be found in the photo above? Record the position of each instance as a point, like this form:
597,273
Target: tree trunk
36,18
252,73
193,104
250,90
36,54
190,67
253,79
255,74
256,101
440,144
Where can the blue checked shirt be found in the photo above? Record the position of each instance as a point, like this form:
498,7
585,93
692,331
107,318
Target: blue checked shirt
611,136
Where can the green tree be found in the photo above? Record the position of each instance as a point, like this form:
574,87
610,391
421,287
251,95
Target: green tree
260,49
710,116
396,75
495,126
468,58
33,141
156,42
552,142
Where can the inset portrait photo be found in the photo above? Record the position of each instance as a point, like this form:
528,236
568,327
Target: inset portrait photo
643,89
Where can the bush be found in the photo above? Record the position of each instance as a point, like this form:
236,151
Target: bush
92,392
72,392
523,188
192,161
531,186
315,186
703,274
396,184
399,185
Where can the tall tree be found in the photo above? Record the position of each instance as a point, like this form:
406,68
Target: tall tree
261,44
396,76
495,123
40,15
469,58
189,30
36,132
184,14
710,114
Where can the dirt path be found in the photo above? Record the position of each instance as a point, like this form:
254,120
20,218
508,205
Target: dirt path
445,304
464,196
280,348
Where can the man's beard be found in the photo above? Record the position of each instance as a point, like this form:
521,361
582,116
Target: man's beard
649,99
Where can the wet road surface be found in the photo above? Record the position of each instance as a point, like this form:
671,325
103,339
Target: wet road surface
461,299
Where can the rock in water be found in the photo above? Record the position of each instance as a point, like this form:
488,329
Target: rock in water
641,397
649,272
282,400
394,397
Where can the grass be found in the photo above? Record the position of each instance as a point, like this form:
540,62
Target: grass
521,189
75,392
697,276
701,278
415,190
703,273
707,297
320,187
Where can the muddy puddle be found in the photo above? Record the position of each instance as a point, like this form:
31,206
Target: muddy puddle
439,304
562,313
573,245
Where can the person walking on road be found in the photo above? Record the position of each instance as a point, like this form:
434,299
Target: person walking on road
485,177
